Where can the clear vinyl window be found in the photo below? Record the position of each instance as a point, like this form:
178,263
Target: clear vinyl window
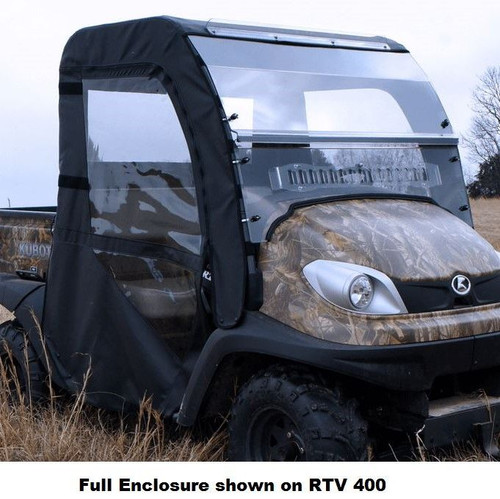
139,166
355,109
163,293
286,89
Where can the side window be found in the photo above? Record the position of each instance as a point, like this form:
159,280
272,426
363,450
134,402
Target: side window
139,167
142,188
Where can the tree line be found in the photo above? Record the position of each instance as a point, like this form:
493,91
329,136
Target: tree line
483,138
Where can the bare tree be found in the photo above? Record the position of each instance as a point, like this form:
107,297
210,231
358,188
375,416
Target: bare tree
483,138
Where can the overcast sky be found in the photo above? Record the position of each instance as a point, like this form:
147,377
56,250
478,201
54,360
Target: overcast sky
454,42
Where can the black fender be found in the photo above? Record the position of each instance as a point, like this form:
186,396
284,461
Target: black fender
409,367
26,299
14,290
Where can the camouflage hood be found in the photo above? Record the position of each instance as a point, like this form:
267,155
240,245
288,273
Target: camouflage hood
407,240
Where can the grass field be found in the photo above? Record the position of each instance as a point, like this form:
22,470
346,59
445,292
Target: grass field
486,216
65,429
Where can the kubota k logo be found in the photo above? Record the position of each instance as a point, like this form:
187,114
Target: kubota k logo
461,285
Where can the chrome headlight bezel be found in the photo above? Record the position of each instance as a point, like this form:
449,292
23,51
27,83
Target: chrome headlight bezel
333,281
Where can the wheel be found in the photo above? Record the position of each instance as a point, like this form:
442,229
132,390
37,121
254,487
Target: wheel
285,415
23,372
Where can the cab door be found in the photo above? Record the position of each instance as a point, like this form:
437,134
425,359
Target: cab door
143,202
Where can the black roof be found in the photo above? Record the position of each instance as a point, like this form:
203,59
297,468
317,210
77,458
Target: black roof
263,33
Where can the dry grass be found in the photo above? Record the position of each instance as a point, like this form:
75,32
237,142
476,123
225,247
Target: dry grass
66,432
465,452
486,215
66,429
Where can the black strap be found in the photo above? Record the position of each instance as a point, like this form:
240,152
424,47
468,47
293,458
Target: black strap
70,182
70,88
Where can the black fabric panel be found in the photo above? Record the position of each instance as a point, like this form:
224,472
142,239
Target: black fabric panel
162,42
101,334
225,237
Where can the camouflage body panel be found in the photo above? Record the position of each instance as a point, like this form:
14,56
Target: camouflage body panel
25,240
407,240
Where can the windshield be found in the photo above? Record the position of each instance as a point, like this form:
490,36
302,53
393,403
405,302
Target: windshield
276,88
318,123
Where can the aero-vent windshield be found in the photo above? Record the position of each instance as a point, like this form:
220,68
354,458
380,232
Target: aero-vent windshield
275,177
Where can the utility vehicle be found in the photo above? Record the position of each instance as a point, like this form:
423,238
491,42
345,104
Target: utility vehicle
260,221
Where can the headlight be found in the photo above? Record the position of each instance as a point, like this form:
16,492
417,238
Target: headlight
361,292
354,287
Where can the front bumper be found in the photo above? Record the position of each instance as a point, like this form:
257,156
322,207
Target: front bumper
408,367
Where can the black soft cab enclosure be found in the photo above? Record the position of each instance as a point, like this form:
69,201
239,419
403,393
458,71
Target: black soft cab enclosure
147,203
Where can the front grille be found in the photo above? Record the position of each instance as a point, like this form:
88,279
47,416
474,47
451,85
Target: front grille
430,296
